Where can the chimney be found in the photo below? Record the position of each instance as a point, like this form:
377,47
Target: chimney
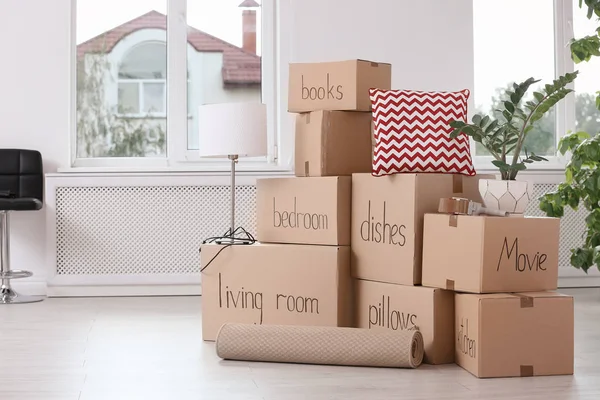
249,25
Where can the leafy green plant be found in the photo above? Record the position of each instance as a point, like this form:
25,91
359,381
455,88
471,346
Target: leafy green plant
581,187
504,137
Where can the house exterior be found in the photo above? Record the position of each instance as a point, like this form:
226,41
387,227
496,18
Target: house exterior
122,92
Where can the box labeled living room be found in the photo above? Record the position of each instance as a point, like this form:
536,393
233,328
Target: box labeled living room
275,284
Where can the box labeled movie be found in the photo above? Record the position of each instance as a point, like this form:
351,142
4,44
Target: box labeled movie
513,335
304,210
386,306
275,284
488,254
387,221
339,85
333,143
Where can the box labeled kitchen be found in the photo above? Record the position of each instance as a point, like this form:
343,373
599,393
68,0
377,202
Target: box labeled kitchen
333,143
386,306
275,284
487,254
387,221
304,210
339,85
513,335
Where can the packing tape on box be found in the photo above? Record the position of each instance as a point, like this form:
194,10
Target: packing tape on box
457,183
526,370
306,168
320,345
526,301
449,284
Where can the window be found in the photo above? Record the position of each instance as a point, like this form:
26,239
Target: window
535,43
143,80
141,76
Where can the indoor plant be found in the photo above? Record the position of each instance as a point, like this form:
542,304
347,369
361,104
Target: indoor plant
582,173
504,138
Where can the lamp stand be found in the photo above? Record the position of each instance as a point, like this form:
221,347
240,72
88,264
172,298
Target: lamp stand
234,160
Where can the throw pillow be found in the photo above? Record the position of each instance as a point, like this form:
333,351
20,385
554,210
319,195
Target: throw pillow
412,132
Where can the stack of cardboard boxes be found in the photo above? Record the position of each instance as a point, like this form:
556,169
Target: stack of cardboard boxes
340,247
508,319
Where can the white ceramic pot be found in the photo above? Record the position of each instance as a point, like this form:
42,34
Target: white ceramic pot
508,196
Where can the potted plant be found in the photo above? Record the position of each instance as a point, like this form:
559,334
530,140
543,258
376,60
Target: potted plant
582,173
504,138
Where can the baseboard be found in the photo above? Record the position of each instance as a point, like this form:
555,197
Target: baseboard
122,291
578,281
31,288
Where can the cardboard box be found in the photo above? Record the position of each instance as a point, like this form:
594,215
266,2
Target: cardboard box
385,306
482,254
333,143
304,210
339,85
275,284
387,221
506,335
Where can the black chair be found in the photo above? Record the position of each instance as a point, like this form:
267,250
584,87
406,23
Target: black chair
21,189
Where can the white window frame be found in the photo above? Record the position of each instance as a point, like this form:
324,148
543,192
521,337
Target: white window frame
565,110
274,59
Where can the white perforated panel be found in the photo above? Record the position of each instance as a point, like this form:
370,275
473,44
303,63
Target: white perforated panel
572,225
143,229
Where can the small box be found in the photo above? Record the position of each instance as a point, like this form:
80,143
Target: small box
275,284
338,85
511,335
304,210
486,254
387,221
333,143
385,306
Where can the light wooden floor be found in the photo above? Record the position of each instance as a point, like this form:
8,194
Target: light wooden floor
151,348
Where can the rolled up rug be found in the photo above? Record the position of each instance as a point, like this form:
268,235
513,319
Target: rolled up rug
320,345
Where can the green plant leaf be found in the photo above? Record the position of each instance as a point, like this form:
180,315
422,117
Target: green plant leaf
477,119
484,121
501,165
538,96
510,107
490,128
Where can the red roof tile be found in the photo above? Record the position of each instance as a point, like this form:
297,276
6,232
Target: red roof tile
239,66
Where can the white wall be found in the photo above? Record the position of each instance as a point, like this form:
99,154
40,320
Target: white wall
34,105
429,43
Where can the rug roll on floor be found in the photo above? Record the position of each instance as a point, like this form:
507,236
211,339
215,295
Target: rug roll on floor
320,345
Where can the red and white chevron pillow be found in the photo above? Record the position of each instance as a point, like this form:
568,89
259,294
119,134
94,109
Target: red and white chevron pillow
412,132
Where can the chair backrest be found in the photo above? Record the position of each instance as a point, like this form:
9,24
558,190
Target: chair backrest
22,173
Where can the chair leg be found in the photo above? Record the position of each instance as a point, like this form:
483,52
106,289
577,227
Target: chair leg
7,294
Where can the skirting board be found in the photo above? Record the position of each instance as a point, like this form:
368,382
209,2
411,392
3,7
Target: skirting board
123,291
37,288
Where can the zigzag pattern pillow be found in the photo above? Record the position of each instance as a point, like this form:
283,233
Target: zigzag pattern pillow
412,132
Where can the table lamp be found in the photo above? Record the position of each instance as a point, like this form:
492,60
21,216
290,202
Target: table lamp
232,130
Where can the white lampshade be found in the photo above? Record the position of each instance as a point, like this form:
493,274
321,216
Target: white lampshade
233,129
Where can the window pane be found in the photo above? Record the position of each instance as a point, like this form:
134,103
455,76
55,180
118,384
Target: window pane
154,97
224,56
503,57
129,98
145,61
120,45
588,81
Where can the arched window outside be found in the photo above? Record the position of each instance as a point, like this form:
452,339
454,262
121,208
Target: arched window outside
142,80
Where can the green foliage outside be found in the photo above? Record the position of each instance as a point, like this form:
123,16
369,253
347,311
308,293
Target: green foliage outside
581,187
101,131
